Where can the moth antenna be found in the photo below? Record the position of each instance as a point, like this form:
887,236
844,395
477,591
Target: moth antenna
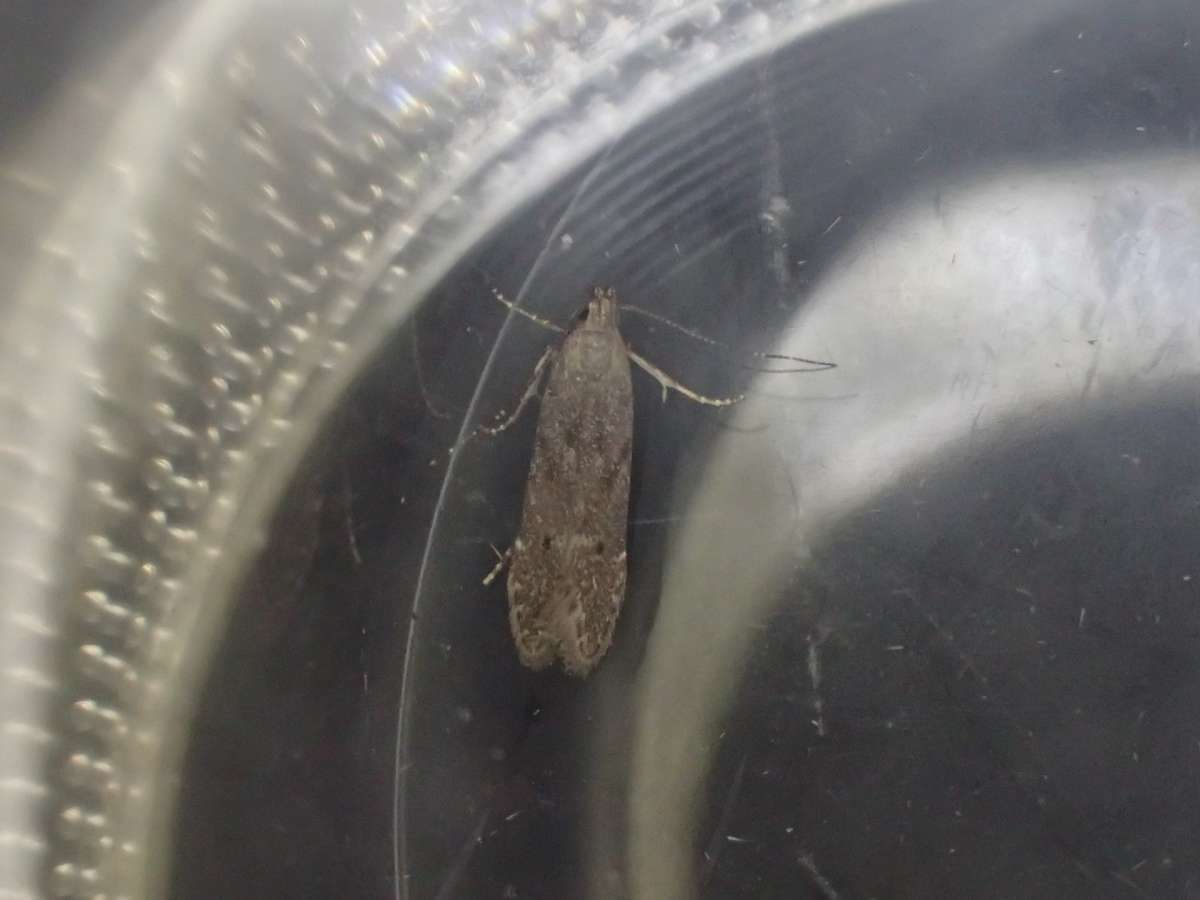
813,365
668,382
530,392
421,383
545,323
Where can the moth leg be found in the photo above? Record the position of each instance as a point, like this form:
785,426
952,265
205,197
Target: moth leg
530,392
668,382
545,323
500,564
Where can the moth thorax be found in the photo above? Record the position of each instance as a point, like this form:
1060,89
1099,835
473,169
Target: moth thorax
595,353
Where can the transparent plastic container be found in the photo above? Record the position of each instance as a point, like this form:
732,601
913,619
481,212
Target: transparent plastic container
921,625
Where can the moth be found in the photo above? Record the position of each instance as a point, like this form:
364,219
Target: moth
566,578
568,564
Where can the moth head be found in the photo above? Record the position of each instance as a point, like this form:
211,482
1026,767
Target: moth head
601,310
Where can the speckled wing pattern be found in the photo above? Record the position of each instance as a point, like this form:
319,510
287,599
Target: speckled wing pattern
566,583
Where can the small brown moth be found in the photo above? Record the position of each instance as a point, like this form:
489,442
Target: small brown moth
566,584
